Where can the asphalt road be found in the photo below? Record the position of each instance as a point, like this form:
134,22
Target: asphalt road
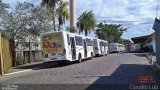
113,69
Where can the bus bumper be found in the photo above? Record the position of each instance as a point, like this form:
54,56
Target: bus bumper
62,58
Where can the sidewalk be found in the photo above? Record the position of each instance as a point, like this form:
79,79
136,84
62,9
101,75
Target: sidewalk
32,66
152,58
24,68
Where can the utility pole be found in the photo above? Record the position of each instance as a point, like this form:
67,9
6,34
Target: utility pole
148,31
72,13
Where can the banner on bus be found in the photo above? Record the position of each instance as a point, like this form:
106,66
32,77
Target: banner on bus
52,43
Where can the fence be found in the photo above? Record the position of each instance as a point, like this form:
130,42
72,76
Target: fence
23,57
5,55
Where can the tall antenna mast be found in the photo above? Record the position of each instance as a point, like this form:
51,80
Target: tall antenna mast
157,9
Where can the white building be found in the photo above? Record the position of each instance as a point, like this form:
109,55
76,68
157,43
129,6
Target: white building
22,50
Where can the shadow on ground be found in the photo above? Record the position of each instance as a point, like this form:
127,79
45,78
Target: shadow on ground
123,76
141,54
43,65
149,56
46,65
120,79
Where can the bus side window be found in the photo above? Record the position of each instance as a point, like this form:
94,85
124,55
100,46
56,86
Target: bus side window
105,44
68,39
79,41
89,42
102,44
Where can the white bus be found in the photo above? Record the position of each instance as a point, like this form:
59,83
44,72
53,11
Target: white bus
135,48
100,47
89,45
64,46
105,46
114,47
121,48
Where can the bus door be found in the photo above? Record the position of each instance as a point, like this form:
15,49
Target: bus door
73,48
85,47
104,44
100,44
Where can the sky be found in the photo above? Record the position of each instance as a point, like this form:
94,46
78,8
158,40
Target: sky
136,15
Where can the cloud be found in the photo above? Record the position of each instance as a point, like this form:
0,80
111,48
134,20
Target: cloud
137,14
13,2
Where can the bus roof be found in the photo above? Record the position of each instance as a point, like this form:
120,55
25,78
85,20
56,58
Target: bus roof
74,34
100,40
114,43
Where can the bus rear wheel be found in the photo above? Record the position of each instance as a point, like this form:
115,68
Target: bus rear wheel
91,55
79,58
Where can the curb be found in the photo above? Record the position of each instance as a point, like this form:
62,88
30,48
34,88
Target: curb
18,72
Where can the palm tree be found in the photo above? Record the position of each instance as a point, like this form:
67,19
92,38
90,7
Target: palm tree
86,22
62,12
51,5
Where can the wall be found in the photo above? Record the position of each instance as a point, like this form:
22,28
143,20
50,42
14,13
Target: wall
154,46
153,42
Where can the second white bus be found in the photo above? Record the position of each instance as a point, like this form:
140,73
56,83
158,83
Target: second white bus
100,47
116,47
135,48
122,48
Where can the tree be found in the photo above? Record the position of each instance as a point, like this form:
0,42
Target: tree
110,32
40,23
15,24
41,20
71,29
62,12
86,22
24,22
3,8
51,6
3,12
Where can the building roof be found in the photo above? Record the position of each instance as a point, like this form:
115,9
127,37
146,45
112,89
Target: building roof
141,39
